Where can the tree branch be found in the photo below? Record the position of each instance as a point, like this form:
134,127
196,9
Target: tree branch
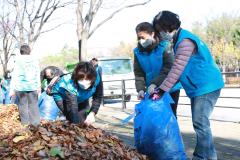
113,14
8,37
33,7
89,16
96,7
38,11
53,28
46,15
1,60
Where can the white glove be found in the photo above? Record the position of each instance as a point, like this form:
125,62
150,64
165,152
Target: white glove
12,93
90,119
140,94
151,89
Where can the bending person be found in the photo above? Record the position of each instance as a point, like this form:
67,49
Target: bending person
72,92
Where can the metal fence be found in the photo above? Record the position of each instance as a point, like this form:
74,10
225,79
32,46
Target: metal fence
123,96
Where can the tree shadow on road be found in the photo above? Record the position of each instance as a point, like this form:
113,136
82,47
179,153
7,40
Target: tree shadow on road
227,149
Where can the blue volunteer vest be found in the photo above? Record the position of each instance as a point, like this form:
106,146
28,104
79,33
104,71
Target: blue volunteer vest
66,83
201,75
152,63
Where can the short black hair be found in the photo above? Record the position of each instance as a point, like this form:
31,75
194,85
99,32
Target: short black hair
95,59
166,21
25,49
7,75
145,27
84,70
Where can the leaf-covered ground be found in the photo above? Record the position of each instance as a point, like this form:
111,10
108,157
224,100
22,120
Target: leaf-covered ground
57,140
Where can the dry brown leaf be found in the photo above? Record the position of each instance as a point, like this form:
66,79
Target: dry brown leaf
76,142
46,138
19,138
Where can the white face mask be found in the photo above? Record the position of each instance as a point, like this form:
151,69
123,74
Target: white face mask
84,84
146,42
166,35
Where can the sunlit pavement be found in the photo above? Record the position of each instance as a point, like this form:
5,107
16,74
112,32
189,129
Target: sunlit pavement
226,134
227,108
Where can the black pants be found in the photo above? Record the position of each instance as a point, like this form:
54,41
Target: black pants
83,110
175,97
75,112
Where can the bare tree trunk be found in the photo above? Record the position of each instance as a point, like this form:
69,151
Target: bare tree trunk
20,12
80,24
84,46
4,64
79,50
4,67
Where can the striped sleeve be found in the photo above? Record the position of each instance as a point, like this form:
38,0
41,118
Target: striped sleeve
183,54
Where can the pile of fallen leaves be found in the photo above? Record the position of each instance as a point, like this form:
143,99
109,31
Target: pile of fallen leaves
9,119
62,140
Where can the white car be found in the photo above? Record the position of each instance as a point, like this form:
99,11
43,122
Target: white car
115,72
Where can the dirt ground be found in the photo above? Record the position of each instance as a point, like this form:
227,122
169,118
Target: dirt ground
226,134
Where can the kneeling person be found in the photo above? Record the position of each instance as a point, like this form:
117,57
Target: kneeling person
72,92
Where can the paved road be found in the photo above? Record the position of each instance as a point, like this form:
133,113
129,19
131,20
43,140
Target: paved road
226,134
227,108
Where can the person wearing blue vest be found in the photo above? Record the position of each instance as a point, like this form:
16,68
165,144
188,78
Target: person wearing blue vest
199,75
72,91
153,58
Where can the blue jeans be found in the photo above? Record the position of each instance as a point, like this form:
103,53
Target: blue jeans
202,107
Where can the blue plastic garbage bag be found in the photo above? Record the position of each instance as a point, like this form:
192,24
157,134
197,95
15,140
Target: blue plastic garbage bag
47,107
2,96
5,87
156,130
7,97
